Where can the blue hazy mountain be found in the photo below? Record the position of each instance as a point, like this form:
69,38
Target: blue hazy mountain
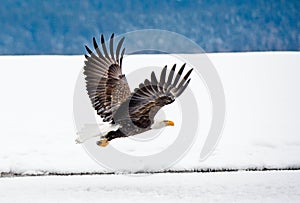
63,27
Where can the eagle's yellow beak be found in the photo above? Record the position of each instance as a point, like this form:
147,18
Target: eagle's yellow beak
169,123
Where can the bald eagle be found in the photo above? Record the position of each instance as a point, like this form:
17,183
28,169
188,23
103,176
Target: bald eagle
127,113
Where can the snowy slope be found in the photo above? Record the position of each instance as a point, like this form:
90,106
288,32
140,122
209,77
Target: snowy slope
261,128
196,187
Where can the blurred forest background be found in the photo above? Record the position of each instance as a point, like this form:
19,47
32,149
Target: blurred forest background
63,27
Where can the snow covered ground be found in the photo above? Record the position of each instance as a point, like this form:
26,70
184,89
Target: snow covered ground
280,186
261,131
261,128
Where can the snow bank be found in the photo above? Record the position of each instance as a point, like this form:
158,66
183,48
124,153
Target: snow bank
256,186
262,114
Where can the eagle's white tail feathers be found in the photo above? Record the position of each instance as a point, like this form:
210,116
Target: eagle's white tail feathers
94,130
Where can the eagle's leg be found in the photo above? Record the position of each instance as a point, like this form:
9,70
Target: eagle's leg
103,142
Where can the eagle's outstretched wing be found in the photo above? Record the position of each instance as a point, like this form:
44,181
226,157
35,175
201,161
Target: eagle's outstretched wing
106,85
152,95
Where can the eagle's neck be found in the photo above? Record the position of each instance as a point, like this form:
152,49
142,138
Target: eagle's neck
157,124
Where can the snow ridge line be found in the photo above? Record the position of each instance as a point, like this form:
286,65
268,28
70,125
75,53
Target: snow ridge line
208,170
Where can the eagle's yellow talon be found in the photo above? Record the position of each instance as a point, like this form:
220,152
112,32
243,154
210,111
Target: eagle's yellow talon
103,142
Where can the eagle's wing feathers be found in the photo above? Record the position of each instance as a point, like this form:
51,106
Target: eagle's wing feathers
106,85
152,95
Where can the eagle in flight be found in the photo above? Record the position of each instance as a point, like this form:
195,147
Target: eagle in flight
126,113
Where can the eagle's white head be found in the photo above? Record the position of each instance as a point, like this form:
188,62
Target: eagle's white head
161,124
